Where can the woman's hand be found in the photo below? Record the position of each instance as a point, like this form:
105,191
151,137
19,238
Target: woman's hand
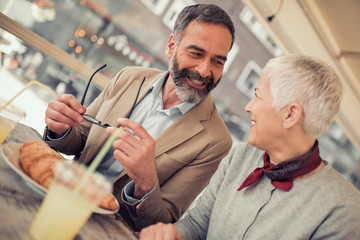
160,231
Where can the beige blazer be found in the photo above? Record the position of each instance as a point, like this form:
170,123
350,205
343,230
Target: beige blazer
187,153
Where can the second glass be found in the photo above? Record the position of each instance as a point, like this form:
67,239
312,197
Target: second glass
63,212
9,117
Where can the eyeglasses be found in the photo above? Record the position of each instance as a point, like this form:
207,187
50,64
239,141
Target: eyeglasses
94,120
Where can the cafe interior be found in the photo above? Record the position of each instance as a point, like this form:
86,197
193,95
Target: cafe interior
59,43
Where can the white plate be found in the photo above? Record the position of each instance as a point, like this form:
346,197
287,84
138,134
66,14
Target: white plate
10,152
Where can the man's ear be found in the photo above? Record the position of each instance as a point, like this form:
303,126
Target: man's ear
292,115
170,47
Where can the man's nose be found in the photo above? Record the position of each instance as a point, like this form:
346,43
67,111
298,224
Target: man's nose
204,68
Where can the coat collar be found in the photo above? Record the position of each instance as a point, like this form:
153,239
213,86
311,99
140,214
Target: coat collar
183,129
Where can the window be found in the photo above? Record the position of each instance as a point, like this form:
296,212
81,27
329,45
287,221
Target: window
249,78
247,17
231,56
156,6
174,10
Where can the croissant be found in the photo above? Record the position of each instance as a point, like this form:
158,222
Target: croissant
38,160
109,202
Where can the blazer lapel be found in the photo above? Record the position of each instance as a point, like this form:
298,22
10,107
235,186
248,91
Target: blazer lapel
184,128
121,108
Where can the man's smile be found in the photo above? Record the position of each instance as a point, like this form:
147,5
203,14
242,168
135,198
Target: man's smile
195,83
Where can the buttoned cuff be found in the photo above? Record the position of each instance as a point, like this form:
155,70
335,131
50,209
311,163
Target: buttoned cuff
129,192
50,135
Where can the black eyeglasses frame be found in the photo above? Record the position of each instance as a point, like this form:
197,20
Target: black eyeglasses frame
94,120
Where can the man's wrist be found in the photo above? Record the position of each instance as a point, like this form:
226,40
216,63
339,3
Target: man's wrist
141,190
129,193
54,136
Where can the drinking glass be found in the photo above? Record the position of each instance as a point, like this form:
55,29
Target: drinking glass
64,211
9,117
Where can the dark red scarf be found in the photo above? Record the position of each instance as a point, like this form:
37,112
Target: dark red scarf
283,174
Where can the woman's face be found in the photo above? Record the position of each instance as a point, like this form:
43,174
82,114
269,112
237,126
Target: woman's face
266,122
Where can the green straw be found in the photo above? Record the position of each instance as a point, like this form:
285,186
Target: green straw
97,160
88,172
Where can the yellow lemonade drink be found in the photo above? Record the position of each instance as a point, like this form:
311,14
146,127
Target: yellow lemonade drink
9,117
68,204
5,128
61,214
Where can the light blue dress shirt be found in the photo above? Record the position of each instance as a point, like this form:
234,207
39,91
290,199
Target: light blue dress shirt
150,113
154,119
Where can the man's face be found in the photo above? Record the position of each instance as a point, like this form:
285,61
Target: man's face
186,91
197,61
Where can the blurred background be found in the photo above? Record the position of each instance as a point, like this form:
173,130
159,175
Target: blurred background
61,42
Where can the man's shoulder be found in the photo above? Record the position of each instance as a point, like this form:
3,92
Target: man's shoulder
137,71
129,74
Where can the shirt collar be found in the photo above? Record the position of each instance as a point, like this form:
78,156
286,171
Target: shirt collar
156,89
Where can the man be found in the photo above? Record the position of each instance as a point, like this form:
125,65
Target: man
180,137
301,196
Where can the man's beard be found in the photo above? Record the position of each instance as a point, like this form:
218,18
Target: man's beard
183,89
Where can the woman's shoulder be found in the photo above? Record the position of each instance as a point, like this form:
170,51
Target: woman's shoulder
245,156
338,184
246,150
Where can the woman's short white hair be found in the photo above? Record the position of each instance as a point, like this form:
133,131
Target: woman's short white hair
311,83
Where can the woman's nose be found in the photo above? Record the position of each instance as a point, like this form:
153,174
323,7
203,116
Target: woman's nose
248,105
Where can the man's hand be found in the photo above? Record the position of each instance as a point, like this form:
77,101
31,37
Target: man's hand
160,231
64,111
137,155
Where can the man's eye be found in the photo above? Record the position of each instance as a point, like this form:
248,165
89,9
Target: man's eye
196,54
218,62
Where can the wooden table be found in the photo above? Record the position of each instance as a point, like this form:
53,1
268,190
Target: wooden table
19,203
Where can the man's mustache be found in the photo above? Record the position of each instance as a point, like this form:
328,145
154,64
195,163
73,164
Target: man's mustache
193,75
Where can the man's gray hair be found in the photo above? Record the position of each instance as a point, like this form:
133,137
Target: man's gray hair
207,13
310,82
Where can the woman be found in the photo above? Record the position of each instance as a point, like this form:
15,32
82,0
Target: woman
292,193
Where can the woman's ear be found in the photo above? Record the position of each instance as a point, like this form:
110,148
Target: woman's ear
292,115
170,47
